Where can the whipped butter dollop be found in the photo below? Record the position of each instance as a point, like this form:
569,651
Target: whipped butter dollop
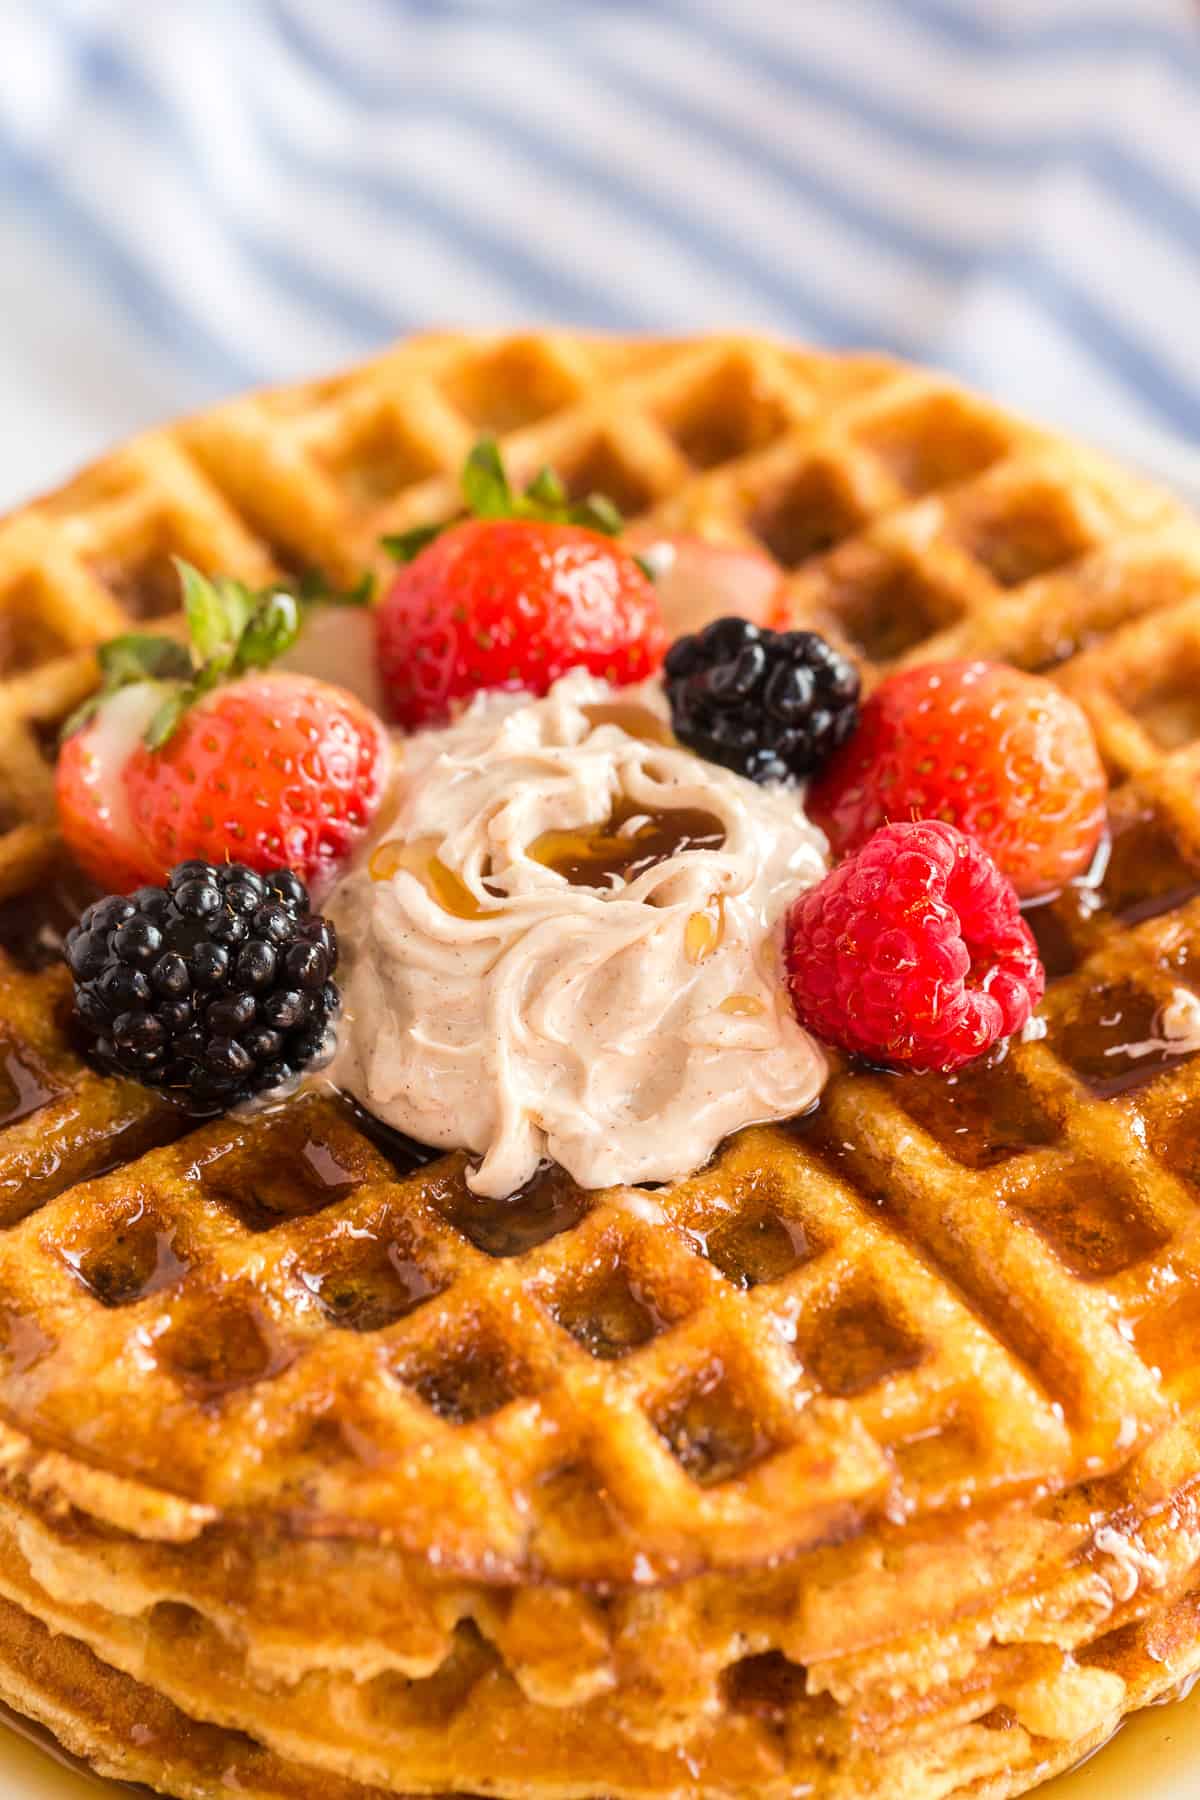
621,1021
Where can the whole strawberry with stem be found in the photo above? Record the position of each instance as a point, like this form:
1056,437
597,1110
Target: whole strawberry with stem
529,587
202,751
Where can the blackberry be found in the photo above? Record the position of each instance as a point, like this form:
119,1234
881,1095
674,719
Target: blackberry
213,988
771,705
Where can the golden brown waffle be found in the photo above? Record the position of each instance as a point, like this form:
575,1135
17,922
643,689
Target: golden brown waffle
839,1391
132,1732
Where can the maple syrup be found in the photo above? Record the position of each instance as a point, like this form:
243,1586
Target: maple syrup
268,1184
635,721
613,1315
1090,1219
1059,923
702,935
982,1116
631,840
367,1282
216,1346
1167,1338
743,1006
23,1087
855,1344
1154,1755
1062,919
1114,1040
1138,873
480,1380
420,858
405,1154
710,1432
34,1766
136,1259
752,1250
1146,875
549,1203
33,925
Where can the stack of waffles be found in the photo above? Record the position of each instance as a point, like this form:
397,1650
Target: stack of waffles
866,1462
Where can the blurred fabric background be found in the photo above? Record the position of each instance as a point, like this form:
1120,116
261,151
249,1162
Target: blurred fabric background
200,194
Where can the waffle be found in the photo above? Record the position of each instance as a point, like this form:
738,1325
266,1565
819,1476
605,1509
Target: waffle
865,1458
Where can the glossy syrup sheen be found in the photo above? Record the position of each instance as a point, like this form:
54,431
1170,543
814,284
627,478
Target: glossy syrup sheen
34,1767
1156,1756
622,847
631,840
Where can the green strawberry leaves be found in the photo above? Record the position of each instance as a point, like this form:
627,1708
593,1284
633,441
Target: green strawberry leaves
231,628
140,657
406,546
489,495
136,657
485,486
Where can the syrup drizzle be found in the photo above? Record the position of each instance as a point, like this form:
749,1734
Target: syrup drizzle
368,1282
34,925
1143,877
1155,1754
420,858
23,1089
1116,1040
140,1258
549,1203
1137,873
631,840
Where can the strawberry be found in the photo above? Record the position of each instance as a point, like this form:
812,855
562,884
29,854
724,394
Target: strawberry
530,587
698,581
1007,757
204,753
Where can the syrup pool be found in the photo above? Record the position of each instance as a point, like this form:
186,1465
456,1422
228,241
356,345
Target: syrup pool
34,1767
633,839
1155,1756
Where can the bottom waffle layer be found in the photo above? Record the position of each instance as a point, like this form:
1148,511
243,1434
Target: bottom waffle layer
131,1731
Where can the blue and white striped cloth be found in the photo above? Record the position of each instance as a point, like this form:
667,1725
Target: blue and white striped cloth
199,194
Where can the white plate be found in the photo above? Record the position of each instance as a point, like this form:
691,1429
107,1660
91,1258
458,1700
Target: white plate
1156,1757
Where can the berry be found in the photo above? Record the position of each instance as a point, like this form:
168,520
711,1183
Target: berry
913,953
513,604
697,581
1007,757
192,750
164,1002
772,705
271,767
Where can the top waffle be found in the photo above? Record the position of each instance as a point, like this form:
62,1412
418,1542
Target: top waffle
938,1293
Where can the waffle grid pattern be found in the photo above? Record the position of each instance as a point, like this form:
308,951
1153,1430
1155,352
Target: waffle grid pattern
932,1296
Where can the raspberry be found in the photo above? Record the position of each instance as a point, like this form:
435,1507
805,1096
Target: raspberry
1007,757
913,953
